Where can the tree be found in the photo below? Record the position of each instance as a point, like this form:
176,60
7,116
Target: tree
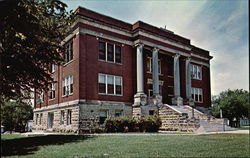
234,105
15,114
31,33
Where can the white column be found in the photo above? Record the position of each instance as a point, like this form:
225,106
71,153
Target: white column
139,68
176,76
155,73
188,79
140,97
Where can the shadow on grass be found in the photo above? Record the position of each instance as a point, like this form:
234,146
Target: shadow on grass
28,145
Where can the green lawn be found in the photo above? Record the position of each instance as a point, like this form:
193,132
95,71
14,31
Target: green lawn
214,145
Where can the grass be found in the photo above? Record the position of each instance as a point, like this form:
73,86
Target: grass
112,146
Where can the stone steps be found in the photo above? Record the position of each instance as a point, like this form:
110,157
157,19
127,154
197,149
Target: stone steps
184,118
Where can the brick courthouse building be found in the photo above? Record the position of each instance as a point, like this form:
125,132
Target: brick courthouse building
113,68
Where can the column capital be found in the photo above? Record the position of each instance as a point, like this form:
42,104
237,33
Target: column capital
140,45
155,49
188,59
177,55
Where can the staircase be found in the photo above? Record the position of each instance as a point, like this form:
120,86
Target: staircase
185,118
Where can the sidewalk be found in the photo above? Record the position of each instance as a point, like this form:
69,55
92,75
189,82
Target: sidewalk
132,134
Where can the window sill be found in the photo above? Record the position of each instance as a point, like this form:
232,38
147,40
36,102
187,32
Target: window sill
196,79
64,96
151,73
170,76
118,95
68,63
52,99
105,61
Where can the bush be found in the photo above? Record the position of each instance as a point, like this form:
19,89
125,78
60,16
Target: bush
129,124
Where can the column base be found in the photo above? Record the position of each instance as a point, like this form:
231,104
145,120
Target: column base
157,99
177,101
140,99
136,112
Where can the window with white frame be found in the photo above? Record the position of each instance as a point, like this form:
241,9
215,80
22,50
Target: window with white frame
150,87
53,68
196,72
150,65
109,84
118,113
52,91
62,117
37,115
67,85
103,116
197,94
41,118
68,55
69,117
110,52
40,97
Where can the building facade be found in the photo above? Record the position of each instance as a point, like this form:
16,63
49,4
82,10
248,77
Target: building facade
113,68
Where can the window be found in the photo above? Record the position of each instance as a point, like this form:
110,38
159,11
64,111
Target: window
150,65
40,98
197,94
52,91
196,72
118,113
68,55
151,112
109,84
109,52
69,117
102,51
103,116
37,115
62,117
150,87
52,68
102,83
40,120
67,85
118,54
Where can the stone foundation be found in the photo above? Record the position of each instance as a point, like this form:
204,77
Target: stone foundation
175,121
57,126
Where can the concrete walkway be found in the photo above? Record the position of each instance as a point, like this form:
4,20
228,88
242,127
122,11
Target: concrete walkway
137,134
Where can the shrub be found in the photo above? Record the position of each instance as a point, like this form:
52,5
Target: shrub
129,124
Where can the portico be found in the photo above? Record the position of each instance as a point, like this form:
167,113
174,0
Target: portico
140,98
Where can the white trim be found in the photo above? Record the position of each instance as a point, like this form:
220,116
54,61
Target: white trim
111,38
61,105
200,63
107,28
119,40
162,40
199,56
128,34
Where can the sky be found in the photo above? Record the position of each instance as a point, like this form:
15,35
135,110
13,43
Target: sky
219,26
